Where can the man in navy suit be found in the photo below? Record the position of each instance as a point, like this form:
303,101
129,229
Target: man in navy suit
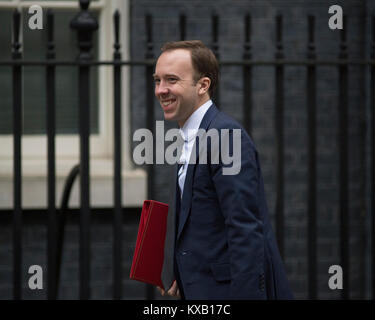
219,243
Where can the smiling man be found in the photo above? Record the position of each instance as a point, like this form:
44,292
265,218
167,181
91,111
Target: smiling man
219,243
178,88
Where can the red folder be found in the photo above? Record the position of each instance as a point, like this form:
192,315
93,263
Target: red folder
149,249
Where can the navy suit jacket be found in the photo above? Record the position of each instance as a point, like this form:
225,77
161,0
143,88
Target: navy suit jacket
224,246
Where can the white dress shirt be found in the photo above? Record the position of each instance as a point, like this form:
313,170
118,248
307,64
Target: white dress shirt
188,133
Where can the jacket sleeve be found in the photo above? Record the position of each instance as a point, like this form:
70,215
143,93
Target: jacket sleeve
238,196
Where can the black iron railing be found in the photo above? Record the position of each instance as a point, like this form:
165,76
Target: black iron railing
54,282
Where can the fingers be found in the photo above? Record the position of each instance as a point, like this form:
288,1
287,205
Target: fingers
162,291
174,291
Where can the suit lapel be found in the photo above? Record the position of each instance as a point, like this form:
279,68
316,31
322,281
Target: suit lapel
188,186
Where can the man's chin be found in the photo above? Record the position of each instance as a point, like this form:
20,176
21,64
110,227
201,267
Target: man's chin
169,117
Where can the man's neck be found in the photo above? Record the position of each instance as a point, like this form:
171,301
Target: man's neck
196,117
181,123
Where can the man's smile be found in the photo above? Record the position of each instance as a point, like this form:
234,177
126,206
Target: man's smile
167,103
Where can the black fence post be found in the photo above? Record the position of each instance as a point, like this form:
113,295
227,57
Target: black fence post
247,77
117,188
182,24
74,172
311,133
17,180
343,161
373,155
85,24
279,125
51,190
150,120
215,50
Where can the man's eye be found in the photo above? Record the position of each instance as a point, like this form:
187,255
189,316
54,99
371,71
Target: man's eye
156,81
172,80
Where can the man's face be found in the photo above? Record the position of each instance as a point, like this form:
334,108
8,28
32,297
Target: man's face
175,88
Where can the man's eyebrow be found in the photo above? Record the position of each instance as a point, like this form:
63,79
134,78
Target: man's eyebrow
166,75
172,75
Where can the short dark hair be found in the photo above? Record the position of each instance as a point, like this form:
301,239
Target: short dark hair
203,60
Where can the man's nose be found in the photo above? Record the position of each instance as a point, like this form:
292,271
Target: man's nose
161,89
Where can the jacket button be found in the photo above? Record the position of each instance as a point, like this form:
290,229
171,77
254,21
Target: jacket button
261,282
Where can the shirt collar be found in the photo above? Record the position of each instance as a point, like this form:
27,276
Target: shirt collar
191,126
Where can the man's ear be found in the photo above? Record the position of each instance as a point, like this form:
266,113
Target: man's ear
204,85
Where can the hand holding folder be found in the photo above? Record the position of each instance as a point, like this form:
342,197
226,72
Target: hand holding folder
148,256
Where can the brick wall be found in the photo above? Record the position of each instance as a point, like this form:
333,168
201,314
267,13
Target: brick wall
34,244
